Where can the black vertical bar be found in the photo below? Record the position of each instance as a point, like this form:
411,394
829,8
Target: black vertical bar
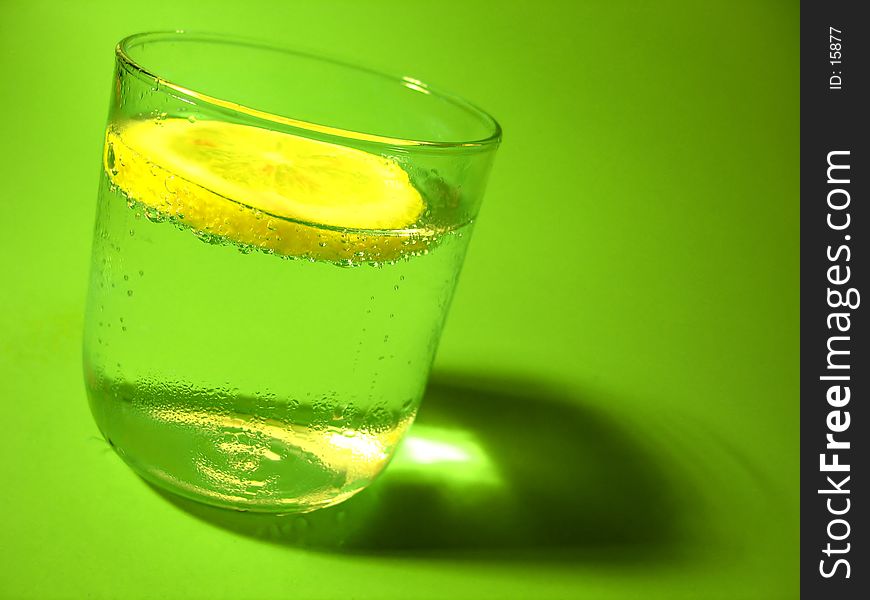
835,225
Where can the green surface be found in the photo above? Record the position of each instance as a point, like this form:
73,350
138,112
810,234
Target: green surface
619,370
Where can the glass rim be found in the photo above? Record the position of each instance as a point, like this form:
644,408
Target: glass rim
122,53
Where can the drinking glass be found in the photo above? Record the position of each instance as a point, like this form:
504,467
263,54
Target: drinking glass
277,240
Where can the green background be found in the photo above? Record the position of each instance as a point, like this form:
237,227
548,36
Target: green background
624,337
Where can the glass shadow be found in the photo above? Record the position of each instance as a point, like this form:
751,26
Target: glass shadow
496,467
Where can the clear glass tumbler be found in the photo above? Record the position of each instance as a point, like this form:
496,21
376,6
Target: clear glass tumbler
278,237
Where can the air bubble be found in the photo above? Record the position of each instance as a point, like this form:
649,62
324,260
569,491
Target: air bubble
110,158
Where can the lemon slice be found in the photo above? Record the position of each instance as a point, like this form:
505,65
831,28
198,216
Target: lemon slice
282,193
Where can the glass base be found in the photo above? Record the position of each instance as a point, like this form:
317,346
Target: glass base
228,500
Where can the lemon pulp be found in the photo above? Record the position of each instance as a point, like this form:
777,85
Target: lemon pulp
279,192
